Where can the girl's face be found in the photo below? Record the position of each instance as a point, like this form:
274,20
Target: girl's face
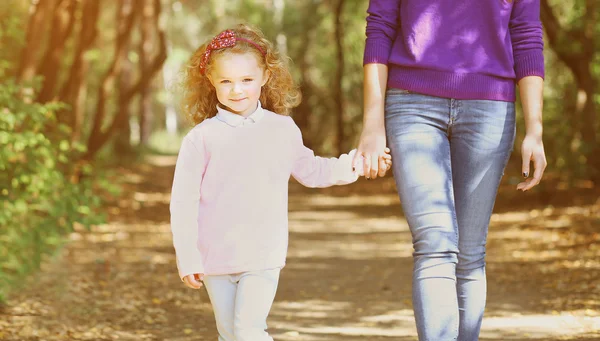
238,79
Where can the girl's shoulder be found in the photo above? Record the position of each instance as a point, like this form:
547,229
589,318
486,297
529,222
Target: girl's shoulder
201,130
284,121
284,127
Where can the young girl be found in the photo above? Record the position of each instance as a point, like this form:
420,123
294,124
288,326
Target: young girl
230,190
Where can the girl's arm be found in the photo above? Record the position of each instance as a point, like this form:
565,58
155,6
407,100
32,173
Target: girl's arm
315,171
382,26
532,148
185,197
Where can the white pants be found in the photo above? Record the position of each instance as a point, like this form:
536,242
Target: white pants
242,302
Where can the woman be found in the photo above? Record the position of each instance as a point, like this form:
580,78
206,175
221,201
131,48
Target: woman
439,83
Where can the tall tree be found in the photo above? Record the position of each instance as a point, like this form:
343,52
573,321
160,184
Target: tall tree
126,14
309,20
74,89
64,30
338,96
125,17
575,45
146,47
62,23
40,13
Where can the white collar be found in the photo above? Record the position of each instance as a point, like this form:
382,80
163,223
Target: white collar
236,120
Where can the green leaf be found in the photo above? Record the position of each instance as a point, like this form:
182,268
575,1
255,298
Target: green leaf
64,145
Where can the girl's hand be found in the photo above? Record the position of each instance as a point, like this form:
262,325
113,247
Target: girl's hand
193,281
387,159
532,149
373,150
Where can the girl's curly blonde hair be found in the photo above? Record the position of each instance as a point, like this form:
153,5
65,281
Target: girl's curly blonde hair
199,99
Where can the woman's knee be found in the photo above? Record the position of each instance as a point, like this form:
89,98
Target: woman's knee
435,265
470,260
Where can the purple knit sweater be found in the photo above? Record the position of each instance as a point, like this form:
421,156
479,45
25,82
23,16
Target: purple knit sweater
469,49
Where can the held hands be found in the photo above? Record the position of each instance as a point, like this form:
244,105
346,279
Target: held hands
532,149
372,155
193,281
387,158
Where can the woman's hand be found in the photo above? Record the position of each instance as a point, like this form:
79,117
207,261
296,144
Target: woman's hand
372,140
373,151
532,150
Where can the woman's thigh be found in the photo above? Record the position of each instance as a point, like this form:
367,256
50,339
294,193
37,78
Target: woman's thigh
482,139
417,132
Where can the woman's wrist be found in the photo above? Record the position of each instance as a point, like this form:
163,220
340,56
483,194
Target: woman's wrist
534,129
373,129
373,122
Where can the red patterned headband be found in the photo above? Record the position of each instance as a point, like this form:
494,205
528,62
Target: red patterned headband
225,39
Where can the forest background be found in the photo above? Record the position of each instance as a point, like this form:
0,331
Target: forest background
86,85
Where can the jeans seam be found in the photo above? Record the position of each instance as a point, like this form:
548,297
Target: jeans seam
454,217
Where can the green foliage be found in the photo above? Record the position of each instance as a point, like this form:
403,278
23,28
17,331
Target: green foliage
43,192
12,28
568,154
163,143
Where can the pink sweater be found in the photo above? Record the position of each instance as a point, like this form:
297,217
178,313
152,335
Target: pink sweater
230,191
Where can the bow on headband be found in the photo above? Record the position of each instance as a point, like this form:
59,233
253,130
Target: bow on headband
225,39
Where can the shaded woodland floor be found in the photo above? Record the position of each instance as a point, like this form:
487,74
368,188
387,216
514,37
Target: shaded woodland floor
348,274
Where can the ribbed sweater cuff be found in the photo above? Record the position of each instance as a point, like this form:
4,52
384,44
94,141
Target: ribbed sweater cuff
529,64
376,51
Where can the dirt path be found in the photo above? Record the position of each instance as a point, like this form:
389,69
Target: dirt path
347,278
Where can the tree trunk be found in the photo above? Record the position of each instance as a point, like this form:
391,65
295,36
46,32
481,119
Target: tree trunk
169,72
590,86
126,13
62,24
576,48
98,137
156,62
145,117
303,112
338,97
74,89
122,121
40,14
279,8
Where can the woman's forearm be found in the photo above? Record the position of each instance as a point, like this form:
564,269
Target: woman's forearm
531,92
532,148
374,95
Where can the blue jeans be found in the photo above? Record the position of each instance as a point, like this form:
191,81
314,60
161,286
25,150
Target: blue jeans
449,156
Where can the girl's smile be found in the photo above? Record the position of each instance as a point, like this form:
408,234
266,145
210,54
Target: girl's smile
238,79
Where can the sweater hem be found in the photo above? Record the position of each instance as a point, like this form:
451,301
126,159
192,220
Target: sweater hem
242,268
465,86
